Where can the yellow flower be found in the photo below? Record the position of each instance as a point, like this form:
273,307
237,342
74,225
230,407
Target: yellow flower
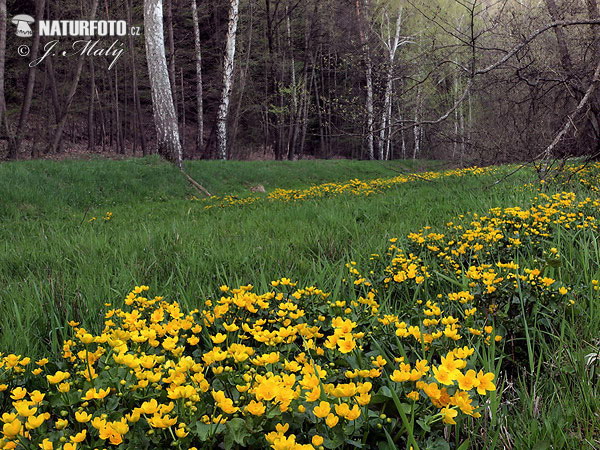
87,339
46,444
23,408
158,421
332,420
485,382
218,338
231,328
58,377
79,437
413,395
448,415
9,417
36,397
468,381
149,407
18,393
94,394
180,431
322,410
346,412
443,376
346,345
82,417
256,408
317,440
12,429
61,423
400,376
34,422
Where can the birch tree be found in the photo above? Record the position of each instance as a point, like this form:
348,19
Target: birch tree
165,117
228,63
199,94
391,41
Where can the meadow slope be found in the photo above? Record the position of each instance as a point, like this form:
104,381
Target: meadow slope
351,305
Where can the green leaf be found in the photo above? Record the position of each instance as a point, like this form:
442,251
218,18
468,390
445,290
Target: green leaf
424,425
237,432
542,445
438,444
464,445
206,431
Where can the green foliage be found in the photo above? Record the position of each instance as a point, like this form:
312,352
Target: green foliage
56,265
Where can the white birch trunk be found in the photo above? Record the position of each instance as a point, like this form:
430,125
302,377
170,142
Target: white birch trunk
417,128
392,45
199,94
228,62
455,97
370,115
165,117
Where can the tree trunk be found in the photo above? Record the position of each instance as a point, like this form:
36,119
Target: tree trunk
14,148
65,111
49,67
244,74
3,21
199,94
417,128
171,45
228,63
117,109
90,124
165,118
182,112
563,50
136,91
362,23
386,115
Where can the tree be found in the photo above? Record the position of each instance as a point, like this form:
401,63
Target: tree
3,22
199,94
361,5
165,117
15,142
228,64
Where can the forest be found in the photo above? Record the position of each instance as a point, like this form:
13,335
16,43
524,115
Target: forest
473,81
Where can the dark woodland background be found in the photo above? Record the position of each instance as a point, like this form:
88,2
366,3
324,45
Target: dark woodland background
300,86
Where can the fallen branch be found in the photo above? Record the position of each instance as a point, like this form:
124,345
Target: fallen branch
195,184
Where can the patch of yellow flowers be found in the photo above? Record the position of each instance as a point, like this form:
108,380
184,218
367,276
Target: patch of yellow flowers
353,187
275,369
294,368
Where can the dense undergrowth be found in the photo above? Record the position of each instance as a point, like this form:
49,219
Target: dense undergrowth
478,331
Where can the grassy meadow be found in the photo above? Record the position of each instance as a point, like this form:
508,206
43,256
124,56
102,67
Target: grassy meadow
511,294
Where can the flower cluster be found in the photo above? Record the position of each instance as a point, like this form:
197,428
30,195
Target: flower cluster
405,351
263,369
353,187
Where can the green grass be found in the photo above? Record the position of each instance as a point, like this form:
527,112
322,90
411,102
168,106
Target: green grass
56,266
